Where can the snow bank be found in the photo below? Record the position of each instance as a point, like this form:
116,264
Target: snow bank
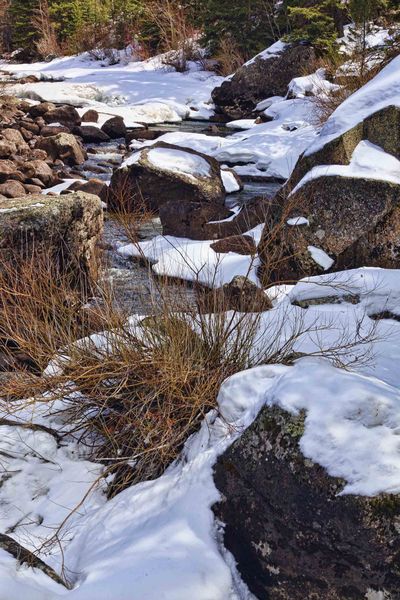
195,261
144,92
367,162
383,90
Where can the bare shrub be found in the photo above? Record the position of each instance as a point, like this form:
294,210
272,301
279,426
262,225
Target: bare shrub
177,35
229,56
47,45
348,80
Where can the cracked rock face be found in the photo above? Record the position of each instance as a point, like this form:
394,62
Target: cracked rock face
291,534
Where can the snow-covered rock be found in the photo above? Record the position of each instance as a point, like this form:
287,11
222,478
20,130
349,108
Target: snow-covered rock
165,173
267,74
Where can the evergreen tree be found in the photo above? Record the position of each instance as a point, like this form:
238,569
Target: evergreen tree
23,33
250,23
318,22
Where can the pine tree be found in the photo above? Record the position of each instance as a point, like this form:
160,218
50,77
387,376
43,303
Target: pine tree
23,33
318,22
250,23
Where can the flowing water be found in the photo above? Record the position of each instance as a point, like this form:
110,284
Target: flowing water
135,289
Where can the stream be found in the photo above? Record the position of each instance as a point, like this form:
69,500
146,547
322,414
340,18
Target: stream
135,288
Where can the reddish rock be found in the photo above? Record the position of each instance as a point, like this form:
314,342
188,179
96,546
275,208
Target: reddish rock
12,189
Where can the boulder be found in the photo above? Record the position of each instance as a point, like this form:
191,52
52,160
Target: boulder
115,128
91,134
66,226
381,128
49,130
7,149
191,219
240,295
13,136
292,535
12,189
39,169
93,186
342,213
266,75
199,221
164,173
64,146
353,220
90,116
66,115
7,168
240,244
38,110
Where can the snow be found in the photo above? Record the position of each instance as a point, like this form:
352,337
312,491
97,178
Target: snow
270,52
297,221
194,260
352,424
178,161
271,148
241,124
141,92
268,150
367,162
264,104
378,289
382,91
311,85
157,539
230,182
320,257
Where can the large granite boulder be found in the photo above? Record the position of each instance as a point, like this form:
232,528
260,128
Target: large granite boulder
166,173
266,75
348,224
350,218
381,128
68,227
291,533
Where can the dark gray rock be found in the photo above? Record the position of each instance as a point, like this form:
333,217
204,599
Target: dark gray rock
261,78
144,183
291,534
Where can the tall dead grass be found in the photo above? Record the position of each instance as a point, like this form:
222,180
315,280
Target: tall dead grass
131,390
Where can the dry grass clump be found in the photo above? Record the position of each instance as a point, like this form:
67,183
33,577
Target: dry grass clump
327,101
134,394
229,56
